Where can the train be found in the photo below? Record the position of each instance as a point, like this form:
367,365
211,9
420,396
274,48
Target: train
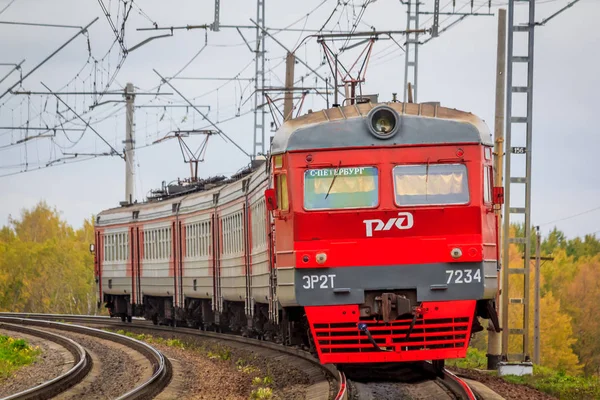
367,234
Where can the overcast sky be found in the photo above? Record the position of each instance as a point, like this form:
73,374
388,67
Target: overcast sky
457,69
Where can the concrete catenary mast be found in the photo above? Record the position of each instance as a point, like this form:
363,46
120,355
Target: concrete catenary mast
129,145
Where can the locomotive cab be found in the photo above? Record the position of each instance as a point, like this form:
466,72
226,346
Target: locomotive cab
385,214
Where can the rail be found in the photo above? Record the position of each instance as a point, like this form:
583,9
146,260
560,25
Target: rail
452,382
62,382
161,365
331,371
457,386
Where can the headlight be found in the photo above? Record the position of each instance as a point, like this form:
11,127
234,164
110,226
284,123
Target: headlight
382,122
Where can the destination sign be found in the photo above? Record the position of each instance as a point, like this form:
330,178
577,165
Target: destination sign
351,171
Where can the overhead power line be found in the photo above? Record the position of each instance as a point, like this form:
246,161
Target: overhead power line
201,113
571,216
6,7
48,58
40,25
85,122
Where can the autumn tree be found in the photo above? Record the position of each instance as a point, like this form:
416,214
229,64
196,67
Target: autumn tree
585,292
556,332
45,265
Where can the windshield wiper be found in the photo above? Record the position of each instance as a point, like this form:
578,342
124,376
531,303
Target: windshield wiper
333,180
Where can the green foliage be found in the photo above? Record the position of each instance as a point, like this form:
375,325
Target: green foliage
475,359
559,384
152,339
243,366
15,353
570,292
261,393
45,265
220,353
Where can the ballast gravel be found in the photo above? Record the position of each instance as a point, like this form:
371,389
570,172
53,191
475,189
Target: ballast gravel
50,363
507,390
116,369
205,369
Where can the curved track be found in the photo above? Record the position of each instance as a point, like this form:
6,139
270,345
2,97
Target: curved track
457,388
48,389
160,378
340,392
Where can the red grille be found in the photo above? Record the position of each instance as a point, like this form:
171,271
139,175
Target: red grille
443,331
427,334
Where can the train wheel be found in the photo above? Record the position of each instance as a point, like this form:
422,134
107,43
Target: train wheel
155,319
123,318
129,318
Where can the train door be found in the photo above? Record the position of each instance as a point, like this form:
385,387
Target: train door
174,259
131,259
217,303
98,257
138,267
273,303
247,259
179,264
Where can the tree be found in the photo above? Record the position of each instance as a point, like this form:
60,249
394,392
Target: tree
585,292
557,340
557,274
588,247
554,241
45,265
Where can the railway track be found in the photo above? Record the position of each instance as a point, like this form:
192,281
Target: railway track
69,381
414,381
449,385
81,360
323,390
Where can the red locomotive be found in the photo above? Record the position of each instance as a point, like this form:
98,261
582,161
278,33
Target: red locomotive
369,235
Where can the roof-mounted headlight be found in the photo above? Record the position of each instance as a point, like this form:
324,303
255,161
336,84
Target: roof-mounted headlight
382,122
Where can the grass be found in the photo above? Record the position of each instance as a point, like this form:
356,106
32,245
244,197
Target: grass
475,359
263,391
14,354
152,339
559,384
555,383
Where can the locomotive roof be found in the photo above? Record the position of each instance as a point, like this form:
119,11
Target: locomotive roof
346,127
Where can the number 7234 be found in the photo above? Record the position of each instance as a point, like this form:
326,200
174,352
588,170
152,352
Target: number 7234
463,275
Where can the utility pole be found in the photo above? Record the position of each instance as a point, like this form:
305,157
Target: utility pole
518,207
495,338
411,66
129,145
259,83
288,103
536,321
411,50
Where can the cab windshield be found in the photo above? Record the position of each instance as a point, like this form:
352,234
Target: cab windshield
340,188
428,184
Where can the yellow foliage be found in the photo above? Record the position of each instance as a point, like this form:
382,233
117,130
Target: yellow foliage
45,265
556,332
585,295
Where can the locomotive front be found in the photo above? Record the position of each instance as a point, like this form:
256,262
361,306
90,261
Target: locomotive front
385,229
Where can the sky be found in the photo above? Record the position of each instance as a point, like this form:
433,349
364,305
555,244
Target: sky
457,69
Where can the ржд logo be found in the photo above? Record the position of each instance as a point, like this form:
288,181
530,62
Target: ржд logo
403,221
